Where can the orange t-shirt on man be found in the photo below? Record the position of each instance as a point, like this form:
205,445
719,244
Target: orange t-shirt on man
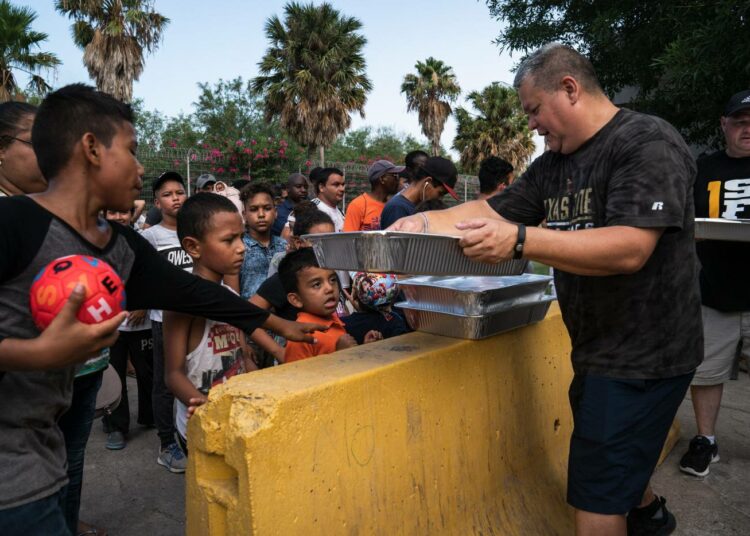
363,214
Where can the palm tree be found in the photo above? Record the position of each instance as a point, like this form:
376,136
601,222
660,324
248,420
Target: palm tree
17,44
430,92
312,76
498,129
114,35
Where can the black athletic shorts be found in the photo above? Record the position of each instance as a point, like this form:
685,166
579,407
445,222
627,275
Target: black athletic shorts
619,429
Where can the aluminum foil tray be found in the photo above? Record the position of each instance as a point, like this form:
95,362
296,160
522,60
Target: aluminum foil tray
473,295
721,229
402,253
475,327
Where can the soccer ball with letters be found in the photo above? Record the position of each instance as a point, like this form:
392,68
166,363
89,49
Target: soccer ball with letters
105,292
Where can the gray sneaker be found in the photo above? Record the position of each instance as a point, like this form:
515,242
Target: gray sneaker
172,458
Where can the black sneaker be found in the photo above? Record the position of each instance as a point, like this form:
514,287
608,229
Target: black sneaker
651,520
699,456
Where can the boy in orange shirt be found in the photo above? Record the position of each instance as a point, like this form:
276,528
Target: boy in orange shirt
315,292
363,213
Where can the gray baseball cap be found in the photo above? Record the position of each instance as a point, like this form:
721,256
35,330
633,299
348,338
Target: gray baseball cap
381,167
203,180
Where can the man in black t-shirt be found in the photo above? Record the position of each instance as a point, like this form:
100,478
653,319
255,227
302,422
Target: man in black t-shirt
619,184
722,190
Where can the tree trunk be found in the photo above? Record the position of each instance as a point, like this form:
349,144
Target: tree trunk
436,146
322,156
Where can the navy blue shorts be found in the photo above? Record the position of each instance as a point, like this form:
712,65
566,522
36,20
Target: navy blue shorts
619,429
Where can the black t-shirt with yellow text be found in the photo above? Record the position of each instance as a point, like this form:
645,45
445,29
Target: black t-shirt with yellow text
722,190
636,171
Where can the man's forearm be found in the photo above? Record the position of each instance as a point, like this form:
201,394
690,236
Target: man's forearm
444,221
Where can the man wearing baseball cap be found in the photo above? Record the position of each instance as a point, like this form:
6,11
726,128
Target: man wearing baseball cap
721,191
205,183
433,179
363,213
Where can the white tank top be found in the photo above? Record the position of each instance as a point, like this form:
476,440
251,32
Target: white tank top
217,358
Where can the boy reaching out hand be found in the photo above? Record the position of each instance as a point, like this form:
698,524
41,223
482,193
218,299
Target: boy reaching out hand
315,291
85,145
201,353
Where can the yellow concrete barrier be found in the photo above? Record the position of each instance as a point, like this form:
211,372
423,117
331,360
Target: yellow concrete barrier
419,435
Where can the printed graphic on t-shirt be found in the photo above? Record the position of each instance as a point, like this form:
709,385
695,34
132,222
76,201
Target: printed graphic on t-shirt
570,211
226,357
729,199
177,256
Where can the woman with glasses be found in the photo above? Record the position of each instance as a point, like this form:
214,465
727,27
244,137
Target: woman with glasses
19,172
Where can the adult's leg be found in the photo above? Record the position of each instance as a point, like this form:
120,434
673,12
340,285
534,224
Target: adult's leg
706,404
590,524
76,427
163,400
119,420
43,516
721,335
619,430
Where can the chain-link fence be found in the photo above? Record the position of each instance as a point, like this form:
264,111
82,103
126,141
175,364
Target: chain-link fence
191,163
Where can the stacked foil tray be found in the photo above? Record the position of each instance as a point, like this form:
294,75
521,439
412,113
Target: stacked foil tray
393,252
475,327
474,307
721,229
472,296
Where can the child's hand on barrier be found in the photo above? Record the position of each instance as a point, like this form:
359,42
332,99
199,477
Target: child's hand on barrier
194,403
373,335
345,341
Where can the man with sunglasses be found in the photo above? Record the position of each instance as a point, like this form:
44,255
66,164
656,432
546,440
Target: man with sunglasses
363,213
435,178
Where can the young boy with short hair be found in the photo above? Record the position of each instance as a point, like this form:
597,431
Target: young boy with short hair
260,245
201,353
169,196
85,145
315,292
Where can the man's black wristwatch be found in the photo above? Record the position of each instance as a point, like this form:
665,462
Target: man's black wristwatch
518,248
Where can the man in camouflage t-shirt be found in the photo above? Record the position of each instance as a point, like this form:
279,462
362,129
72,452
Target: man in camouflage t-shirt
619,184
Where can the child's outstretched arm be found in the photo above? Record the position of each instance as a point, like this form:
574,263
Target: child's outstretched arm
155,283
176,333
65,341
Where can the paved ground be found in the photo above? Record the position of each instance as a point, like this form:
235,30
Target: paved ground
126,492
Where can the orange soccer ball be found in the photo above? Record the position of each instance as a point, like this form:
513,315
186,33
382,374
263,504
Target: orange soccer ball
105,292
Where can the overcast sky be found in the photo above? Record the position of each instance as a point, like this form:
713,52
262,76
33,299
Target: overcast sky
206,41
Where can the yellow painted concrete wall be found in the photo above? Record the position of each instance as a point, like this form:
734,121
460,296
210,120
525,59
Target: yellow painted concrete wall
414,435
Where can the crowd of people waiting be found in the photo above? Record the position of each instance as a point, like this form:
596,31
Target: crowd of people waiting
258,298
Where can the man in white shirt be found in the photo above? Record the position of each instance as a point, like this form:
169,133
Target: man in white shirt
329,192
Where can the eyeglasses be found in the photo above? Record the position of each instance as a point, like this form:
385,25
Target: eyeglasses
27,142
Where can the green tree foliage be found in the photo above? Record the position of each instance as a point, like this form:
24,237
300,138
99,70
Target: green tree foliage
365,145
114,34
229,110
312,76
499,128
430,93
19,53
683,57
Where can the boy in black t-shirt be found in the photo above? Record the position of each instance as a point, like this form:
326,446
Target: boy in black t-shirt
85,145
